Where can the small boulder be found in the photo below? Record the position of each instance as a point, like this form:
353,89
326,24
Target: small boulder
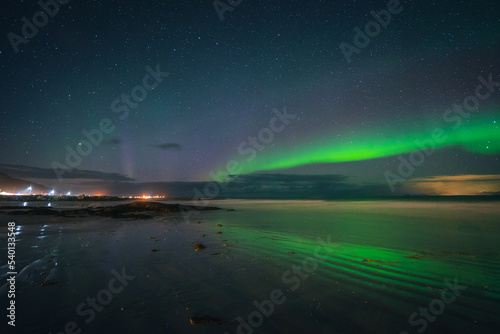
198,247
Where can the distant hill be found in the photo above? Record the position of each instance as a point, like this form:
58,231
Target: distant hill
12,185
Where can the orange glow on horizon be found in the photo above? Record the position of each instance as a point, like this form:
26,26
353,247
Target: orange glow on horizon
454,185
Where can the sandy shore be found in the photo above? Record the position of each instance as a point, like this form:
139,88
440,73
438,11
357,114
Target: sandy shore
386,260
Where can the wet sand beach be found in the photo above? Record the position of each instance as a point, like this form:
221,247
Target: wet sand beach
267,267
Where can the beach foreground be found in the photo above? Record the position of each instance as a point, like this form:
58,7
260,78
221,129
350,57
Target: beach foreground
267,267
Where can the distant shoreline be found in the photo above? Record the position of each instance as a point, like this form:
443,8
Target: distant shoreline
451,198
80,198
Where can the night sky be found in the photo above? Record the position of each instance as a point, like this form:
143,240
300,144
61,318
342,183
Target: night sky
172,94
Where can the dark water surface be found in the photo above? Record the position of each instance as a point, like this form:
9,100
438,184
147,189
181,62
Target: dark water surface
286,267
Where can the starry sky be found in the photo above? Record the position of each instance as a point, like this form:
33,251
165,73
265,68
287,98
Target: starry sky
295,98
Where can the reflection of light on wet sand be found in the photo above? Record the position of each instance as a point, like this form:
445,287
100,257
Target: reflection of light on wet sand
454,185
392,256
18,230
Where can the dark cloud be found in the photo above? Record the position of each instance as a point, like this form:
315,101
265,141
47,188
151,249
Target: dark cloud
10,184
113,141
269,186
287,185
266,186
294,186
169,146
48,173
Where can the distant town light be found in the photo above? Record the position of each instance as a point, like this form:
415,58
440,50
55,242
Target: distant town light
146,197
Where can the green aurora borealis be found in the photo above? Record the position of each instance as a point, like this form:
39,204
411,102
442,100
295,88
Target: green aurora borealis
479,134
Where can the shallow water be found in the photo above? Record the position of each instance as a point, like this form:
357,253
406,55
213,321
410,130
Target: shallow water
382,261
